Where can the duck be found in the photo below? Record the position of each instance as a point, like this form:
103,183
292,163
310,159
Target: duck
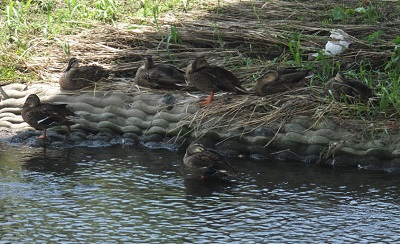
351,89
207,162
159,76
211,78
275,81
42,116
76,77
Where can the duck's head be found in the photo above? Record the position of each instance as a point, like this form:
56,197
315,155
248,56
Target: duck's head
72,63
198,63
31,101
194,148
268,78
148,62
340,77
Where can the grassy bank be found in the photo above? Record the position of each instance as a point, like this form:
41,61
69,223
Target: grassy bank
248,37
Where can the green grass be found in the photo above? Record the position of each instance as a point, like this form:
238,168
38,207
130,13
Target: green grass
26,21
370,14
390,88
296,51
374,38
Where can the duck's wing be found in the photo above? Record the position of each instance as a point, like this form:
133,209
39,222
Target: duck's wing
290,75
221,164
50,114
339,88
222,79
166,75
207,158
89,73
360,89
203,79
212,162
227,81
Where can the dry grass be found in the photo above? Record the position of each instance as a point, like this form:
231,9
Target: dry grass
244,114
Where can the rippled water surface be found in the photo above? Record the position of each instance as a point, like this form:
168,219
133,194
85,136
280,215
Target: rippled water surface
105,195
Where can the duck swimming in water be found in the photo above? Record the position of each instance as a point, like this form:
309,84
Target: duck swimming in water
207,162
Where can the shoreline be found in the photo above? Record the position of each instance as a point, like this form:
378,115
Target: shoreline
171,120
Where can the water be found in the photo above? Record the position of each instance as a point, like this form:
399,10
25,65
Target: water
134,195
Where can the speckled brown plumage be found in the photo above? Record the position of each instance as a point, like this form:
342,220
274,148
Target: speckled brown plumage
43,115
211,78
207,162
159,75
77,77
342,87
275,81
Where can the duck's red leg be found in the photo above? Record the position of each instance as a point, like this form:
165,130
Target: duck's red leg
208,100
44,134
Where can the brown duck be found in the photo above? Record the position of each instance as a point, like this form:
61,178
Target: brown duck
207,162
77,77
350,89
43,115
211,78
275,81
159,75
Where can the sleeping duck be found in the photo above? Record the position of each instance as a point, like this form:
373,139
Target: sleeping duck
275,81
350,89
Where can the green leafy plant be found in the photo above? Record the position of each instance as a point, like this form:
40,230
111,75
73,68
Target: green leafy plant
326,65
185,4
217,32
16,12
374,37
64,45
338,13
174,36
369,14
105,10
295,50
72,7
156,15
390,89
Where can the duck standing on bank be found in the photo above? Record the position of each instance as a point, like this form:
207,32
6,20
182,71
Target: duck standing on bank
351,89
275,81
43,115
77,77
207,162
159,75
211,78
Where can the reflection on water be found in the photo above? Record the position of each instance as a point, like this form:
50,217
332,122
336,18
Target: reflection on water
139,195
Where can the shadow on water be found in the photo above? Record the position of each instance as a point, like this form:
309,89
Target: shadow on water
60,162
197,187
